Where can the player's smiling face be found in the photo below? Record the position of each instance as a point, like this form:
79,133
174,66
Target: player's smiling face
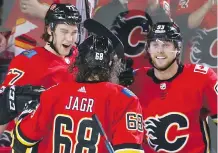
162,53
65,37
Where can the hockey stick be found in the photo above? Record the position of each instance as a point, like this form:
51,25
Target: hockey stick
87,9
102,133
87,12
100,30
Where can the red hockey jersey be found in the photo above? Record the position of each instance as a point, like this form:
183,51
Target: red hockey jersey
63,119
38,67
175,110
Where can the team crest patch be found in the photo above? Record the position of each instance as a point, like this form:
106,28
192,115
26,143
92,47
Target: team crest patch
29,53
128,92
201,69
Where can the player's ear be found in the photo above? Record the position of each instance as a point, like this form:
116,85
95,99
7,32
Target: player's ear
49,31
147,49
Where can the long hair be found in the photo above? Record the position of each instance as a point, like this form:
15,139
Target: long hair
97,60
109,74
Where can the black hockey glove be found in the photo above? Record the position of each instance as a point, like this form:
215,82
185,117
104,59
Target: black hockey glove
126,78
13,99
29,107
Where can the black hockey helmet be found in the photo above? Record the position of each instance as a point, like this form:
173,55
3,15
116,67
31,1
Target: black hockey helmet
62,13
96,58
167,31
96,52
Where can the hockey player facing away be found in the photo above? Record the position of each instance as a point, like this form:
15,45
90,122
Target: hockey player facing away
62,121
48,65
175,98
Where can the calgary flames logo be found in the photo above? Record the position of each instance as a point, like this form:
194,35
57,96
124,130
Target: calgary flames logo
204,47
133,31
158,128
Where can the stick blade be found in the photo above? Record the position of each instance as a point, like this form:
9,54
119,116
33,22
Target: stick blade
100,30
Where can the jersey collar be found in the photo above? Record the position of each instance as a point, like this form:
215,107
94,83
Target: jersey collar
150,73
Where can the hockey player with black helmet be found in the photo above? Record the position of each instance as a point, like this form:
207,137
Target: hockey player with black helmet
70,123
176,98
165,34
41,66
61,32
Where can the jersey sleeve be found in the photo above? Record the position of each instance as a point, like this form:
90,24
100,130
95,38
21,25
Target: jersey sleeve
40,121
127,123
185,7
17,72
210,92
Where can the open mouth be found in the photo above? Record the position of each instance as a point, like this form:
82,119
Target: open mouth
160,57
65,46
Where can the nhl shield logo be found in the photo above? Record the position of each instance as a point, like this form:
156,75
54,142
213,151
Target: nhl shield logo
163,86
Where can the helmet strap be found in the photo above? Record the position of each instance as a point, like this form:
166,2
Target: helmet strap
51,43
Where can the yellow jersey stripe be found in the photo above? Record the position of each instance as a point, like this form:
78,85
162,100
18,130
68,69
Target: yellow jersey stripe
19,138
129,151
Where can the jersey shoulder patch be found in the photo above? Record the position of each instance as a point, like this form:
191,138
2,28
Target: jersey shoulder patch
29,53
201,69
128,92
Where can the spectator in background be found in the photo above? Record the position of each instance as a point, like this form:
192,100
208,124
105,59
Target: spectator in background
198,22
3,42
5,55
27,24
159,10
3,67
108,13
1,10
38,9
195,19
34,8
2,37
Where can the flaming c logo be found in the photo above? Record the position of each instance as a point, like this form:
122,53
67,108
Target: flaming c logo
204,47
133,32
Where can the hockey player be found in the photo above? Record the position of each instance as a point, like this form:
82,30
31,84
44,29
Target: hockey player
44,66
63,120
176,98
